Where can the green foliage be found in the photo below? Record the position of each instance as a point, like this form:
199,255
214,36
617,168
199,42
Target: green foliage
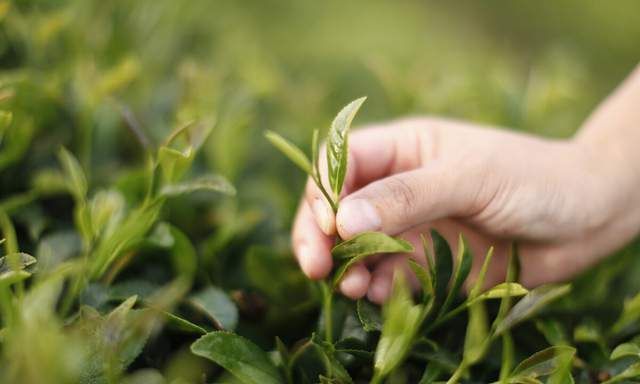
121,122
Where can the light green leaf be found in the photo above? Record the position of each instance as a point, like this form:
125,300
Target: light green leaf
630,314
543,363
476,339
424,277
242,358
364,245
530,304
210,183
76,180
500,291
369,316
294,153
217,305
479,283
337,145
402,319
626,349
553,331
174,163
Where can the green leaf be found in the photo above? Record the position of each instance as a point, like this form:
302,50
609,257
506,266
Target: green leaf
242,358
479,283
364,245
629,316
633,371
424,277
333,368
173,163
217,305
553,331
500,291
626,349
337,145
6,118
184,324
543,363
402,319
209,183
294,153
370,243
443,265
530,304
15,262
315,150
460,274
76,180
369,316
476,339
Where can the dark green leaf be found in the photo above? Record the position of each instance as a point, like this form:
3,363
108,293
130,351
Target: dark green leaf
463,267
242,358
337,145
443,265
184,324
217,305
294,153
369,316
543,363
533,302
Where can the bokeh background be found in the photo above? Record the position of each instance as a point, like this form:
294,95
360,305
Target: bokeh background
107,78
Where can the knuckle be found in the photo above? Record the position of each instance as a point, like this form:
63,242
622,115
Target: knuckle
401,195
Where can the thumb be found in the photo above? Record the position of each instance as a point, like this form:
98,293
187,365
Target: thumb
401,201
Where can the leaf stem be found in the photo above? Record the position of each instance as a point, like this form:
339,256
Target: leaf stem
327,310
332,203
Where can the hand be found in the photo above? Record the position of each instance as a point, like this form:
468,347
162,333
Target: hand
566,206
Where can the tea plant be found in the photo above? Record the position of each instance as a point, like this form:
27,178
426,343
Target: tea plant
405,324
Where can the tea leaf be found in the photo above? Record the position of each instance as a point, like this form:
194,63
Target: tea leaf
500,291
337,145
76,180
173,163
460,274
294,153
553,331
424,277
369,316
402,319
217,305
630,314
242,358
626,349
479,283
533,302
476,339
362,246
370,243
633,371
443,265
542,363
211,183
184,324
15,262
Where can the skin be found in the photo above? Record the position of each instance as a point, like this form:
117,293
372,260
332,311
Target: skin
569,203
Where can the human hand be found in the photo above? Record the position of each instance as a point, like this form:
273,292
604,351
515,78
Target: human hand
565,205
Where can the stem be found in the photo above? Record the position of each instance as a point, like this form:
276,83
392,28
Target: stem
376,379
333,204
455,378
327,310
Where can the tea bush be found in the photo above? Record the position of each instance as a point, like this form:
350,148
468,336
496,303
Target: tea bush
145,218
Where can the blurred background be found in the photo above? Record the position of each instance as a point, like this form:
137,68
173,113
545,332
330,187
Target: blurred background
108,79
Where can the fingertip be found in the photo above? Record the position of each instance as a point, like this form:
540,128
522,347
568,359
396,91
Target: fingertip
324,216
313,262
379,289
356,216
355,283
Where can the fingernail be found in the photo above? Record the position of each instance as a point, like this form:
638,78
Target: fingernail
323,215
356,216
